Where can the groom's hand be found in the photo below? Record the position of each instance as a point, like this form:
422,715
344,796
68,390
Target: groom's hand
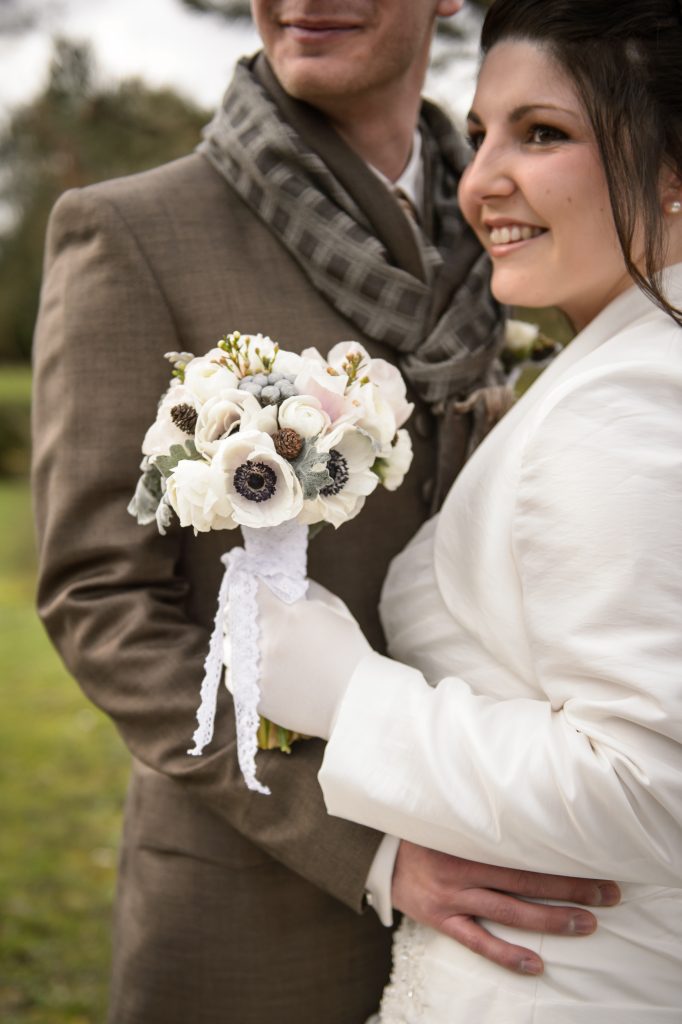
448,894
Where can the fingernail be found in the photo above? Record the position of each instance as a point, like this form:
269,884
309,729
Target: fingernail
581,924
610,894
529,966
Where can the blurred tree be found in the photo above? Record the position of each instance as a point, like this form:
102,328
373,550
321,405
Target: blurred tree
76,132
17,16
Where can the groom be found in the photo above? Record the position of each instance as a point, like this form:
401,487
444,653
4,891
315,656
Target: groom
233,906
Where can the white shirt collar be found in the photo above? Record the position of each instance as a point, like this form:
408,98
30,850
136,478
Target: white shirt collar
411,181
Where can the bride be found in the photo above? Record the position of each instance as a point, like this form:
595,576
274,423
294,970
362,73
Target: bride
530,714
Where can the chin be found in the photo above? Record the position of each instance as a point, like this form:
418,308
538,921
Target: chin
515,292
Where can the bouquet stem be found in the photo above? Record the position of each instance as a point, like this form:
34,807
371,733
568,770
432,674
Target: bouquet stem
273,737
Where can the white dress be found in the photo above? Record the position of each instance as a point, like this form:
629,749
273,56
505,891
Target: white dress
545,601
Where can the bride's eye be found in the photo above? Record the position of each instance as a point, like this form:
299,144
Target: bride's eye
545,135
474,139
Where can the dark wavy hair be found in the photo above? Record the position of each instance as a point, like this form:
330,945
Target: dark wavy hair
625,59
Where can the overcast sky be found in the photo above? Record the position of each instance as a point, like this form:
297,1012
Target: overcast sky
166,44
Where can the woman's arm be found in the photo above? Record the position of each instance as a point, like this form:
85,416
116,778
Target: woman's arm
587,778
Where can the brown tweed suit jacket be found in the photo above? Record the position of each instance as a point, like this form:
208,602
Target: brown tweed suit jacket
231,906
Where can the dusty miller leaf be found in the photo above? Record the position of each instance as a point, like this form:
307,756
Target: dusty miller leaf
178,453
311,469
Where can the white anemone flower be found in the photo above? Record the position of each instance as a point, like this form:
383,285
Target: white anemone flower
351,456
262,486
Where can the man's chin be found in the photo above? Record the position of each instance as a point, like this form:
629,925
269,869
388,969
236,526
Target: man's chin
309,76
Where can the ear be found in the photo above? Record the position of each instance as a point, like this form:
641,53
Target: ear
446,8
671,191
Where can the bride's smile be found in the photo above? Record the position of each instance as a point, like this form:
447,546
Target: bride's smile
535,192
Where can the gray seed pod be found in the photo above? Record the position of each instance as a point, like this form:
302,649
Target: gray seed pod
270,395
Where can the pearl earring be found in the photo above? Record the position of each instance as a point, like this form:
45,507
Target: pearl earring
674,206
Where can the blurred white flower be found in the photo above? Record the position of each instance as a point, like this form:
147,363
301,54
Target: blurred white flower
520,335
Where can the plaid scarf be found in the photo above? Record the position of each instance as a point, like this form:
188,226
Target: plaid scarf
429,301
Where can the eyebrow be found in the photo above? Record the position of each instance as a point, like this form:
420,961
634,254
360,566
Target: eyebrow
518,113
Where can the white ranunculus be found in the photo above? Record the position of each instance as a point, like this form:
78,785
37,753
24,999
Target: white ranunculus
198,497
163,432
262,486
520,335
391,469
350,465
305,415
206,376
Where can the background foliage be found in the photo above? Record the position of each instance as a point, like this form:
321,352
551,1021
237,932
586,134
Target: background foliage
74,133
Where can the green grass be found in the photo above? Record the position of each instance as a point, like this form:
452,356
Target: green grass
15,382
62,776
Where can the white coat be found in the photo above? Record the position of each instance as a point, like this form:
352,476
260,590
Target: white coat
544,608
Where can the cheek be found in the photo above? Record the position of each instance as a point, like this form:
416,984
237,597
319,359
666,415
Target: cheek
465,196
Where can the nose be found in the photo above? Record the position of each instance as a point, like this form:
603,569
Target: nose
489,175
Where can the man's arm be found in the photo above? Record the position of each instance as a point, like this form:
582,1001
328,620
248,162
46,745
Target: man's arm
114,596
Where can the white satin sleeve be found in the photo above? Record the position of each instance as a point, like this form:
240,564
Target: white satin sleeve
587,778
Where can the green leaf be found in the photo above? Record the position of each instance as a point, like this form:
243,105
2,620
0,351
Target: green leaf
178,453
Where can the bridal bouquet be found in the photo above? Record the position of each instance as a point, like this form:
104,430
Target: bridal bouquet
252,436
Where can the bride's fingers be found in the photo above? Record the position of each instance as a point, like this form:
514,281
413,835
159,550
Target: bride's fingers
534,917
471,934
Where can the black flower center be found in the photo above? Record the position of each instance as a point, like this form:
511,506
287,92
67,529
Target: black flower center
337,467
255,481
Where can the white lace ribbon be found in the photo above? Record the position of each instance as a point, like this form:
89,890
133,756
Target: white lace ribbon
277,555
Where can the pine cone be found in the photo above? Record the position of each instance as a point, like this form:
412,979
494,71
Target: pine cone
288,443
184,417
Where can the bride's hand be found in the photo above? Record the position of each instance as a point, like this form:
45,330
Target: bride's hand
309,651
